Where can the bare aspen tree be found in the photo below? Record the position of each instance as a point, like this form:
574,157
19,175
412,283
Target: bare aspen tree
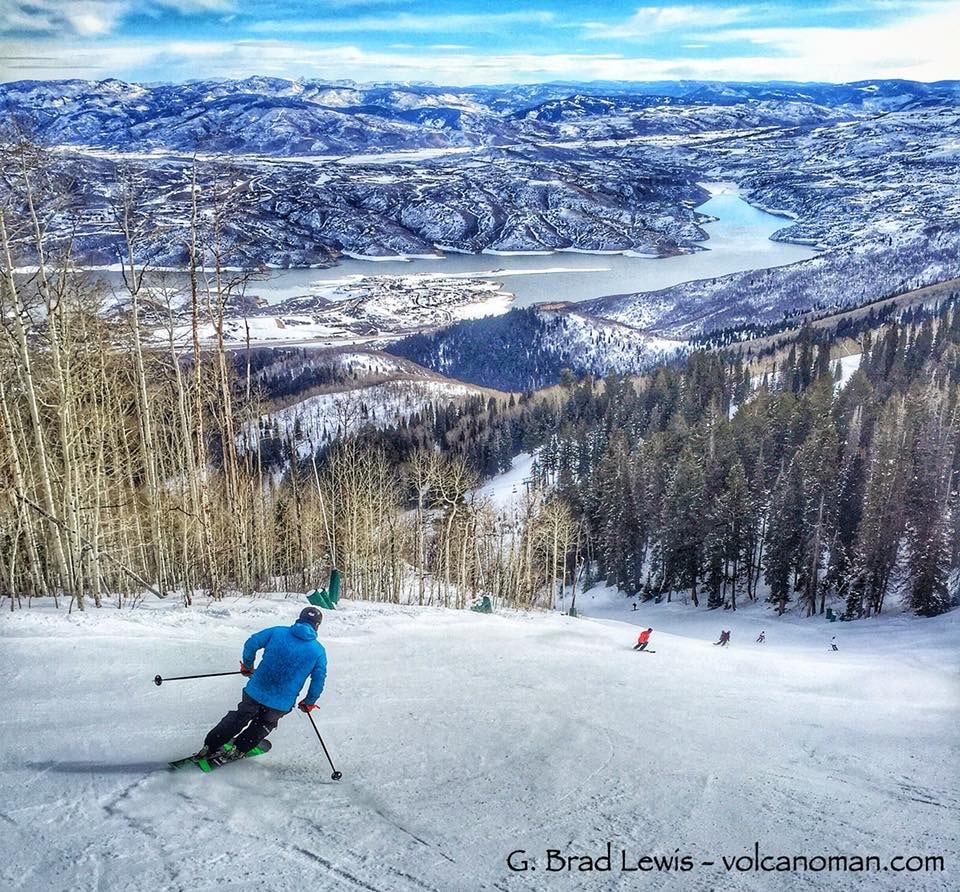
16,318
132,452
132,224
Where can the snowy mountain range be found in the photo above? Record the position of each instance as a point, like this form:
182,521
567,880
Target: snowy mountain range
273,116
317,171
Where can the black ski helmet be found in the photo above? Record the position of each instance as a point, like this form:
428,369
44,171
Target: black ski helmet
311,616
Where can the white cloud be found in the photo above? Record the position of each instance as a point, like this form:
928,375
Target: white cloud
192,7
88,18
184,60
83,17
92,18
649,21
921,47
16,18
404,22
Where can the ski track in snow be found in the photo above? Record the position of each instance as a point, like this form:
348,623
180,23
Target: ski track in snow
463,737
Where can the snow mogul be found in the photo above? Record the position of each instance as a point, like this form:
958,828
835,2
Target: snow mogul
291,654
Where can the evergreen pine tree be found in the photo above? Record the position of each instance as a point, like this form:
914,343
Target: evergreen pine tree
682,526
784,539
931,501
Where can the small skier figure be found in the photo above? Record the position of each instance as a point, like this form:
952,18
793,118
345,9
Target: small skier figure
291,654
724,639
833,643
643,640
762,637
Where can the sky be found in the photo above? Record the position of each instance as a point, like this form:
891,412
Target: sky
461,42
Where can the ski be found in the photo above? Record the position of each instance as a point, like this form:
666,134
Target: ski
182,763
646,651
208,765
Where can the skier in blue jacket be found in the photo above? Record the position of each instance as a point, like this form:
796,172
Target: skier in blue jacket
291,654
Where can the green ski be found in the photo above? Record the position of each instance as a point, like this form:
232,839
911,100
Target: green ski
208,765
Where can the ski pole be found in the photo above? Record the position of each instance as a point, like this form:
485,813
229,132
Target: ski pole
336,774
159,681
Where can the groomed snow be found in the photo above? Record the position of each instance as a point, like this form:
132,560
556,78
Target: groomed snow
505,492
463,737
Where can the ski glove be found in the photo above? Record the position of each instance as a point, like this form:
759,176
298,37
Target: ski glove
303,706
245,671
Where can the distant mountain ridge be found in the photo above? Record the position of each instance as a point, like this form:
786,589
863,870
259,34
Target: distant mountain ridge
281,117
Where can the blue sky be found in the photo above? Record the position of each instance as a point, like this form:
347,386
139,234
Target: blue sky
460,42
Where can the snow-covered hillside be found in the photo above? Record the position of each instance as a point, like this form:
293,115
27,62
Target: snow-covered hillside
610,346
329,416
279,117
527,349
836,279
354,310
464,737
505,492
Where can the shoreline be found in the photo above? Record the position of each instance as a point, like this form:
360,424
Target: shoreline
682,250
531,281
714,189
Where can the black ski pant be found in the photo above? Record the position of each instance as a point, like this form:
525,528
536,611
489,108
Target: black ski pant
257,719
640,646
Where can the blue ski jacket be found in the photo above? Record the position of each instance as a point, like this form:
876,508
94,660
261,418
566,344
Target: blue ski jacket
290,655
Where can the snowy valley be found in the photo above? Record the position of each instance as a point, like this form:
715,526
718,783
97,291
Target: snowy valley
305,174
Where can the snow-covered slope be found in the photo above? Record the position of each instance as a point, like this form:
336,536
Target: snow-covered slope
848,365
527,349
464,737
609,346
836,279
505,492
320,419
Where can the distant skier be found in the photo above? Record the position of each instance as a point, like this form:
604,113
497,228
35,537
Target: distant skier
833,643
724,639
643,640
761,637
291,654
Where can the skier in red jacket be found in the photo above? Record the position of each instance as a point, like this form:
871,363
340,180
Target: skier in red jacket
643,640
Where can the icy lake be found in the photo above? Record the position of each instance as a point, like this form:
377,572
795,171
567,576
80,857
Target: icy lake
739,240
